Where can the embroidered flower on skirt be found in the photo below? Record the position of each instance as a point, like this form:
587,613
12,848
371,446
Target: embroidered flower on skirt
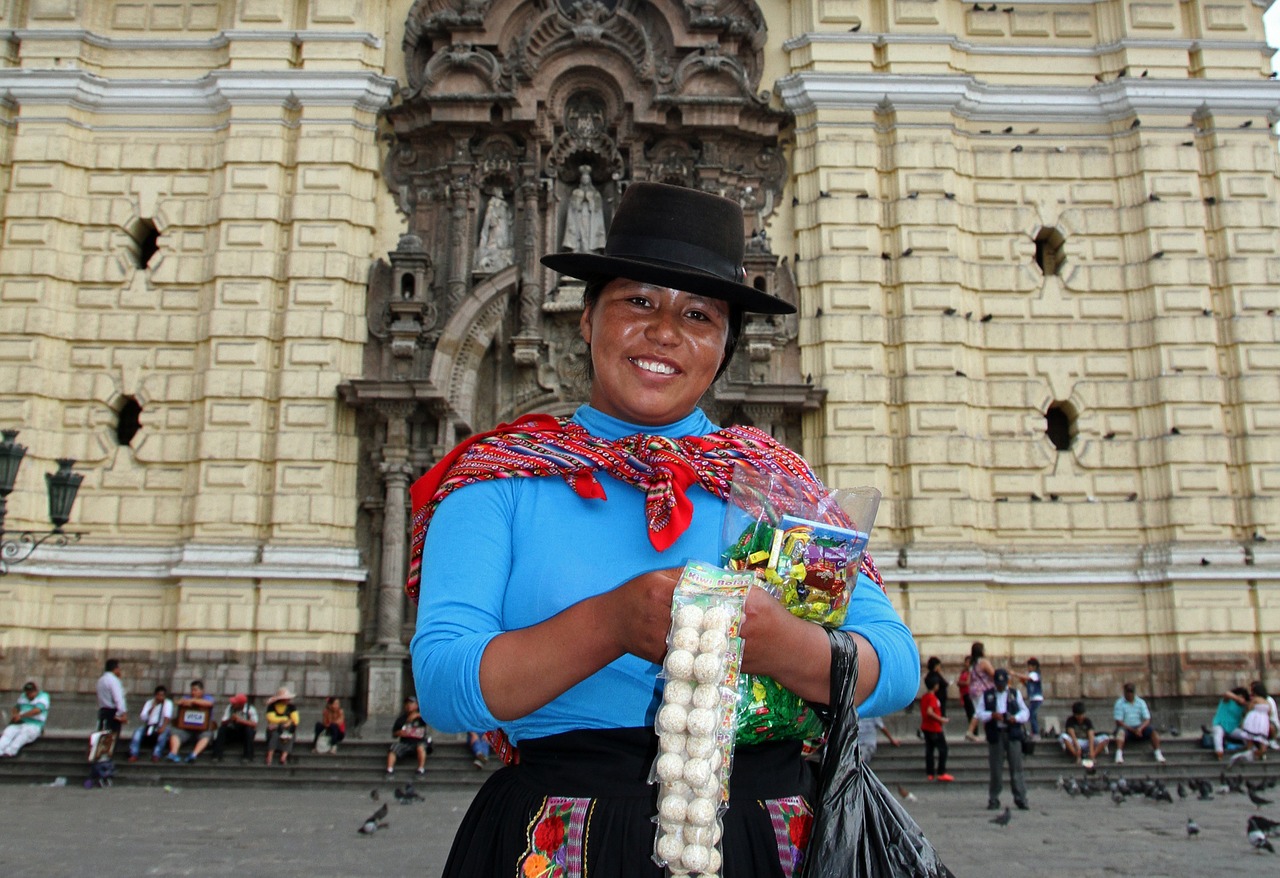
792,820
556,838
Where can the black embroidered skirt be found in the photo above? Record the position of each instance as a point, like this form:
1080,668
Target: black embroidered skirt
578,805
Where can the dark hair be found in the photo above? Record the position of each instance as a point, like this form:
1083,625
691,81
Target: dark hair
1077,707
1034,662
112,664
1258,689
1129,687
159,689
934,661
977,651
199,683
595,287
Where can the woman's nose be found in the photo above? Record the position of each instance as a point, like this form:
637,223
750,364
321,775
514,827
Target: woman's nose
664,326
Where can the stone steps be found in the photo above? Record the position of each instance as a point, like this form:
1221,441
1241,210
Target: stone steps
362,763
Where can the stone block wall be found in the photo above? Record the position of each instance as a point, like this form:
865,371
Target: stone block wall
237,141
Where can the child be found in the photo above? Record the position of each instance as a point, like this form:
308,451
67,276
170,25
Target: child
1035,692
931,721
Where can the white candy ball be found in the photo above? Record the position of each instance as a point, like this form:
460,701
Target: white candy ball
713,640
708,668
689,616
679,665
700,746
710,790
717,619
672,718
686,638
703,835
696,771
677,692
675,808
678,788
716,831
700,721
669,848
671,742
706,695
670,766
695,857
714,861
700,812
715,759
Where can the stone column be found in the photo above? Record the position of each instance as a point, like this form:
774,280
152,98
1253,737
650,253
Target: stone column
383,665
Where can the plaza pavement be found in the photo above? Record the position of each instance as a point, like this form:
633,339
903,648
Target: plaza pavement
50,832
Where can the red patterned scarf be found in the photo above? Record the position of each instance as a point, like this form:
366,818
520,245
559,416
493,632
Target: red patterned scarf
540,445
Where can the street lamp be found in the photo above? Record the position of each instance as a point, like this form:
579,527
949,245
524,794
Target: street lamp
17,546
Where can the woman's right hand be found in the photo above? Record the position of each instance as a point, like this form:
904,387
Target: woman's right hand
638,613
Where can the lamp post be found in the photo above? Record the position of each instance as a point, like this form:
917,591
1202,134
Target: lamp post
17,546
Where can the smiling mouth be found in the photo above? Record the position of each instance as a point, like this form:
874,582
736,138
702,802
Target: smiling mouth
654,366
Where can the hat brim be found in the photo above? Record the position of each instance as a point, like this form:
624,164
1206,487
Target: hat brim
597,266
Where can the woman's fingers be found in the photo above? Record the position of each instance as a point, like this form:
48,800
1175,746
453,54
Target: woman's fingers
641,613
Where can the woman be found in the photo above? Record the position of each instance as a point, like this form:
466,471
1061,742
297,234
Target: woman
282,725
981,678
962,683
545,602
1256,724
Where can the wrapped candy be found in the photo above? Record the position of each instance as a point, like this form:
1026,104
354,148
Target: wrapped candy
696,720
805,542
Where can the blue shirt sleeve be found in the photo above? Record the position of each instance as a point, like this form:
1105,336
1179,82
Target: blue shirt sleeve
873,616
465,565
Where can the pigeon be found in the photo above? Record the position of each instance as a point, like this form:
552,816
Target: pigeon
906,793
1182,790
374,821
986,318
1270,827
1005,816
1257,799
373,794
1117,797
1259,840
1193,828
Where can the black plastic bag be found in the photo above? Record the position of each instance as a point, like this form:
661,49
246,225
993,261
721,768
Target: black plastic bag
859,829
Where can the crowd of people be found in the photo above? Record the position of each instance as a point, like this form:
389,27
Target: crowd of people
181,729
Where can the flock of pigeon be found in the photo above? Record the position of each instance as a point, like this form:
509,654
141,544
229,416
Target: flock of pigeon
405,795
1259,830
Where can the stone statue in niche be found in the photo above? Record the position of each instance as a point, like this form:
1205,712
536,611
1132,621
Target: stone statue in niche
495,251
584,222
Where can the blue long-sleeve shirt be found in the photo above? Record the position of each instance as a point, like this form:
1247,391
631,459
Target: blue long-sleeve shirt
509,553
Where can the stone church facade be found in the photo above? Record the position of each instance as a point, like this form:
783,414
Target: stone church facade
262,266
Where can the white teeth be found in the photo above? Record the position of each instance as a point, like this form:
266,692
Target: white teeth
658,368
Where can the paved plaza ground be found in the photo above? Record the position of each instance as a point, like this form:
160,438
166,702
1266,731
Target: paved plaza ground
49,832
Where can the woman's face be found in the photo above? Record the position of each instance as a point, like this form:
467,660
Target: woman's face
654,350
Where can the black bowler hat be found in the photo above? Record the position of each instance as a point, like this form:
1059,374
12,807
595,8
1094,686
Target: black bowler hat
674,237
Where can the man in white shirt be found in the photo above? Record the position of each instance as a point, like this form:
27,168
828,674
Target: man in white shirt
1004,714
154,720
112,713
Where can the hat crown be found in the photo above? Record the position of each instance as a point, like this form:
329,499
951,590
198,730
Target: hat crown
674,224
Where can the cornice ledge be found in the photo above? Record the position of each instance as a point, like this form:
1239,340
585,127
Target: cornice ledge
219,40
806,92
212,93
198,561
950,41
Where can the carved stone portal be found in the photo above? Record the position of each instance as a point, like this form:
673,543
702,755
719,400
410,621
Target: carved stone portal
517,132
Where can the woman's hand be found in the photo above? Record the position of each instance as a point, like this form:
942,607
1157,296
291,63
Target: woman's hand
638,613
